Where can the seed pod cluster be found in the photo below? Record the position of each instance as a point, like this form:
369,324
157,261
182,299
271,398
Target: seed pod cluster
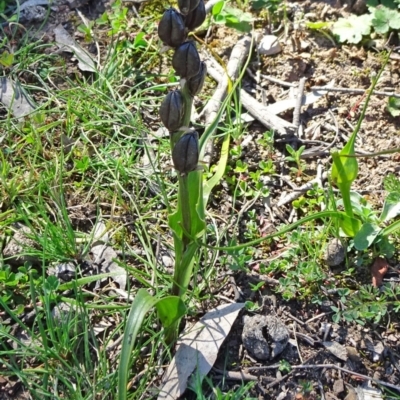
172,30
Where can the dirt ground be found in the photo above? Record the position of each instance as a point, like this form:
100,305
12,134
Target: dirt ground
371,350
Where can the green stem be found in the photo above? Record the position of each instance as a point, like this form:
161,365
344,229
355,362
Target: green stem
185,249
323,214
184,203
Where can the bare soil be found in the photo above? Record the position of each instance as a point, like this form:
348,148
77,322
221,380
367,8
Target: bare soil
371,350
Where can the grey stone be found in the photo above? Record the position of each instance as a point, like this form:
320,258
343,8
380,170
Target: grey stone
257,344
335,253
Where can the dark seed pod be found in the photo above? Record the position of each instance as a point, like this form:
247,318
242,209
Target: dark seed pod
172,110
195,18
185,154
195,83
186,60
171,28
186,6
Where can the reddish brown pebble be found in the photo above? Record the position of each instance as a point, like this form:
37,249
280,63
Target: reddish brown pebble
378,271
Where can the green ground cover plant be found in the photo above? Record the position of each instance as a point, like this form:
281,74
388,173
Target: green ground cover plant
77,159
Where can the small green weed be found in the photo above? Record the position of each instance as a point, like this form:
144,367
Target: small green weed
295,157
232,17
381,19
368,304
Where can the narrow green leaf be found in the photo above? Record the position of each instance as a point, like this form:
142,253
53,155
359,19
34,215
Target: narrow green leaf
217,8
141,304
391,207
220,170
392,228
170,309
87,279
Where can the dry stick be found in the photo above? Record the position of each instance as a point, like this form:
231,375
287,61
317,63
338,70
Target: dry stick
299,191
255,108
347,371
278,81
333,366
297,343
299,102
355,91
238,56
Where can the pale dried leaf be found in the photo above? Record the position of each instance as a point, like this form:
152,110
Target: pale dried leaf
198,349
13,96
336,349
100,233
67,43
104,255
366,392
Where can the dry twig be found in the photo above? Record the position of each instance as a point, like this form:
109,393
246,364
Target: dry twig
355,91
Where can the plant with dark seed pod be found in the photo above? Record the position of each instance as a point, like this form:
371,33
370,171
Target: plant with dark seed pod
187,222
196,17
172,110
171,28
195,83
186,6
186,60
185,154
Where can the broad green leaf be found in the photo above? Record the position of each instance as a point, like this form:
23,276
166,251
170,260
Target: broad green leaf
353,28
344,169
384,19
170,309
6,59
393,106
391,208
349,225
366,236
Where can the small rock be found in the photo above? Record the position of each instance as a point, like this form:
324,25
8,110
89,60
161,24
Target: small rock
377,351
253,338
269,45
278,334
255,342
65,271
330,396
326,305
77,3
338,386
378,271
336,349
64,314
352,395
334,253
392,338
20,243
353,354
33,14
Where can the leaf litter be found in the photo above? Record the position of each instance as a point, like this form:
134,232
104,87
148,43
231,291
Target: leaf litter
312,316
